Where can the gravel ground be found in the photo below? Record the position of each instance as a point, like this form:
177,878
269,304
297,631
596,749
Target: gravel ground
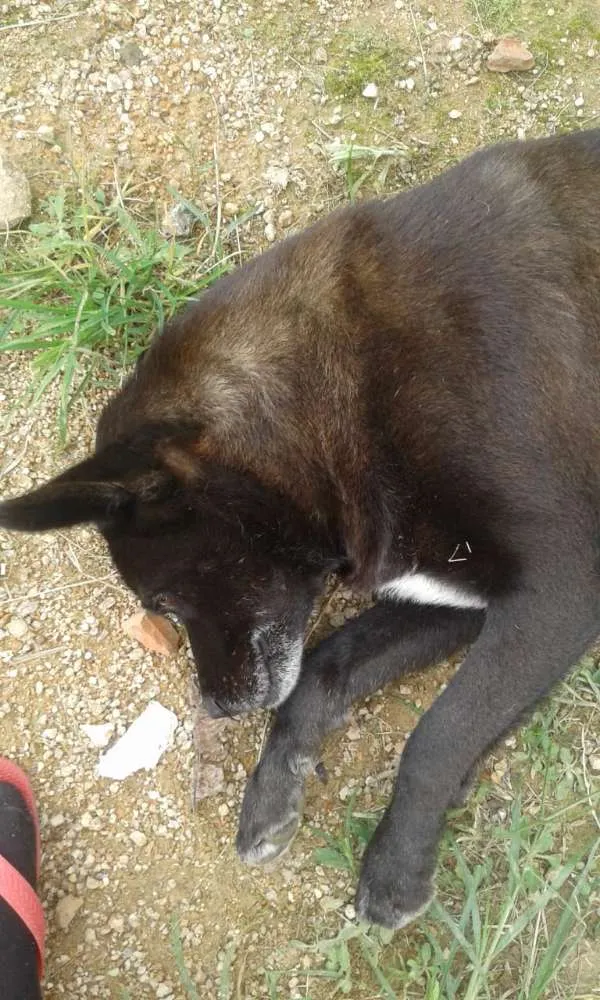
232,104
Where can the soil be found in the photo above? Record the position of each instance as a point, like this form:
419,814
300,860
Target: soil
231,104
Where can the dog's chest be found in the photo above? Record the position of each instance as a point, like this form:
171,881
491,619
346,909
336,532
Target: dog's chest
426,588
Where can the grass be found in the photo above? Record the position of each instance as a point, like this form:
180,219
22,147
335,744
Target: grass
85,287
362,59
362,164
495,15
518,888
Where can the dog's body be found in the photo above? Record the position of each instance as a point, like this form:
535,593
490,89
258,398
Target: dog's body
408,393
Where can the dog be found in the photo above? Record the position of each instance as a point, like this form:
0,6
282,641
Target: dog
406,394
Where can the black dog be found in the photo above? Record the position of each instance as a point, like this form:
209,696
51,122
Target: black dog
407,394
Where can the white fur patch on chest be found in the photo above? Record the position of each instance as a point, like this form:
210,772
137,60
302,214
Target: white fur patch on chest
422,588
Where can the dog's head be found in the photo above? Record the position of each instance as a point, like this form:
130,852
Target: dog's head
232,559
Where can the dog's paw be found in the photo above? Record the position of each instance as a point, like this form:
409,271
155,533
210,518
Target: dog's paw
270,814
259,846
389,897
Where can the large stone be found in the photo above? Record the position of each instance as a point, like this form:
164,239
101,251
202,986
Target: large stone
510,56
154,632
15,194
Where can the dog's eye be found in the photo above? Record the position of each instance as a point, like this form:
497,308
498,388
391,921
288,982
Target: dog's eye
163,604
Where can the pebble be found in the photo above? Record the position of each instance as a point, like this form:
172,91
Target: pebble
371,90
16,626
114,83
131,54
454,114
154,632
320,55
270,232
176,221
595,762
510,56
66,910
138,838
98,735
278,177
15,199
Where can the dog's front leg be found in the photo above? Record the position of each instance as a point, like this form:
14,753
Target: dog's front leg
527,643
369,651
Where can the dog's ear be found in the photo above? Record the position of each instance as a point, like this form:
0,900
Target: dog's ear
89,491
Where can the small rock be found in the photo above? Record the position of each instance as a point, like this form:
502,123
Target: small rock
138,838
270,232
116,924
285,218
510,56
595,762
154,633
455,114
176,221
223,810
15,195
163,991
279,177
208,780
353,733
320,55
579,102
455,43
131,54
66,909
113,83
99,736
16,626
407,84
371,90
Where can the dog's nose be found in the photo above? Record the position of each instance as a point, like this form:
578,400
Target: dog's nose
213,708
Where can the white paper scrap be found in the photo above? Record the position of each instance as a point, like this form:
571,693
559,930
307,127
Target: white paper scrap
142,745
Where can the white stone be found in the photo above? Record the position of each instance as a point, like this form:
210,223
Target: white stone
371,90
98,735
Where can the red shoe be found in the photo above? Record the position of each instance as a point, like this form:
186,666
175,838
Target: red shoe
22,924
